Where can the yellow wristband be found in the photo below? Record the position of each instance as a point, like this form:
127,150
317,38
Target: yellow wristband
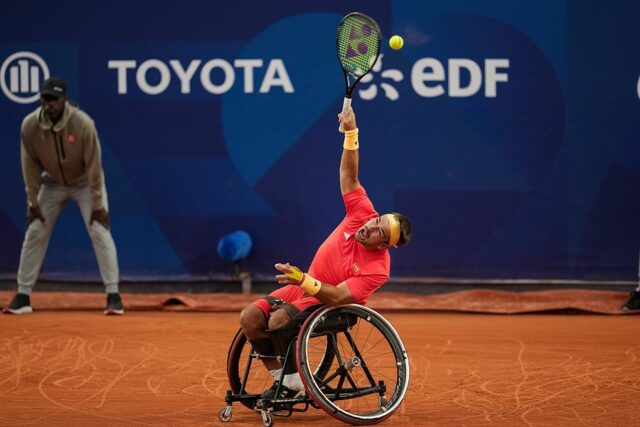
310,285
305,281
351,140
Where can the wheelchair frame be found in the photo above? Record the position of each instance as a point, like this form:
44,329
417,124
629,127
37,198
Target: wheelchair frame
339,376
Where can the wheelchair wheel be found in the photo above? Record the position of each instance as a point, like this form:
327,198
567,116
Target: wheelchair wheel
240,365
369,375
258,379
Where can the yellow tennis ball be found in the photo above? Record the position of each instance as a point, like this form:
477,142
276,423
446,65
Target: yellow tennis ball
396,42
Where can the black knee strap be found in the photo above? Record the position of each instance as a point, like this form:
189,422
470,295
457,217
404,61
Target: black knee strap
278,304
262,346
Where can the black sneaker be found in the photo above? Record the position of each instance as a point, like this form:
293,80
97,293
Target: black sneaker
633,303
21,304
114,305
285,392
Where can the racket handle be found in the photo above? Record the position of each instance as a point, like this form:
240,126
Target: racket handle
346,105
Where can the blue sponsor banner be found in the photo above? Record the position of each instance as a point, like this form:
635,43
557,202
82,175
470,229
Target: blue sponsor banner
507,131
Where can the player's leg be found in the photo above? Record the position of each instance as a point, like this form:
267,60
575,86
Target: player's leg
262,323
103,246
253,322
284,325
255,318
51,200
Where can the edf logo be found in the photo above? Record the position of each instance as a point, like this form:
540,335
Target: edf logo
20,76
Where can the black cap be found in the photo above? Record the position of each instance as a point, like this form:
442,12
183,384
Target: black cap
53,86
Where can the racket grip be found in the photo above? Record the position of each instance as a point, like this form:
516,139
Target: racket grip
346,105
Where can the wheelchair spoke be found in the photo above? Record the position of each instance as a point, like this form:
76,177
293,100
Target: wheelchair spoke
339,387
356,350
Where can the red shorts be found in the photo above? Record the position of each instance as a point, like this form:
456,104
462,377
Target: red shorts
295,301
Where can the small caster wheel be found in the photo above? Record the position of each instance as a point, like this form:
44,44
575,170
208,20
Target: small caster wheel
267,419
224,414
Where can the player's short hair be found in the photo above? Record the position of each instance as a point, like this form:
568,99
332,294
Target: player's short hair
405,228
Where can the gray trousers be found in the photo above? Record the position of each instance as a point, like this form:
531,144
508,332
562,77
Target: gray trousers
52,198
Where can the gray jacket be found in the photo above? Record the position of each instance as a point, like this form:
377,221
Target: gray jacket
68,151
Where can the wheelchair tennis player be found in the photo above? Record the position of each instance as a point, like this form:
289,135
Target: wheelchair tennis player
351,264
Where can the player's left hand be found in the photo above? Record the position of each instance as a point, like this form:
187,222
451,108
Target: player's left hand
102,216
288,271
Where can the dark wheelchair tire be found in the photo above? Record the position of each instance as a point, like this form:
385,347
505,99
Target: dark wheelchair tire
350,390
236,363
233,367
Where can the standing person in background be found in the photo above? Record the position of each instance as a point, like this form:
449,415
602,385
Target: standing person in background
62,160
634,297
351,264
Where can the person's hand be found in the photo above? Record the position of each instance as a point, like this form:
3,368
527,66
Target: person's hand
291,275
33,213
347,120
102,216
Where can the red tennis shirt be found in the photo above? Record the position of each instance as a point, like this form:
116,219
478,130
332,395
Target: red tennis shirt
341,258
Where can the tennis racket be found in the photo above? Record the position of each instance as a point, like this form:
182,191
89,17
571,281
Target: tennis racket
358,44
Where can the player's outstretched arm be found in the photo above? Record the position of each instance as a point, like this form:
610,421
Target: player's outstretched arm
350,156
327,294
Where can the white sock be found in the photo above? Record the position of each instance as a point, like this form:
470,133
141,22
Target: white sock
275,373
293,381
638,288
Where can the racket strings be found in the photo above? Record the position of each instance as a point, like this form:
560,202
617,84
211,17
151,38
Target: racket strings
358,41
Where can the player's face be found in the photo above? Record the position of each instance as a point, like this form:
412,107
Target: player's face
374,234
53,107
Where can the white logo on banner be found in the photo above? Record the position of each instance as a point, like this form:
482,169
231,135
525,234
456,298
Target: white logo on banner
275,75
20,76
426,74
430,78
389,91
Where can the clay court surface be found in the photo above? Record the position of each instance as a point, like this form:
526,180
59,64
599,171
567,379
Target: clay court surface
168,368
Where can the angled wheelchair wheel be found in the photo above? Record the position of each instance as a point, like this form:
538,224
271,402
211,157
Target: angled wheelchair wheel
248,376
369,373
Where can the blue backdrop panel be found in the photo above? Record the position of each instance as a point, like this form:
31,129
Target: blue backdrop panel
507,131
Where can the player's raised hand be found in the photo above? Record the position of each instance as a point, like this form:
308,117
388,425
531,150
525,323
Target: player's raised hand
347,120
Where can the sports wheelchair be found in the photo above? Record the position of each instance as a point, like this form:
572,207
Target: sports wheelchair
352,363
